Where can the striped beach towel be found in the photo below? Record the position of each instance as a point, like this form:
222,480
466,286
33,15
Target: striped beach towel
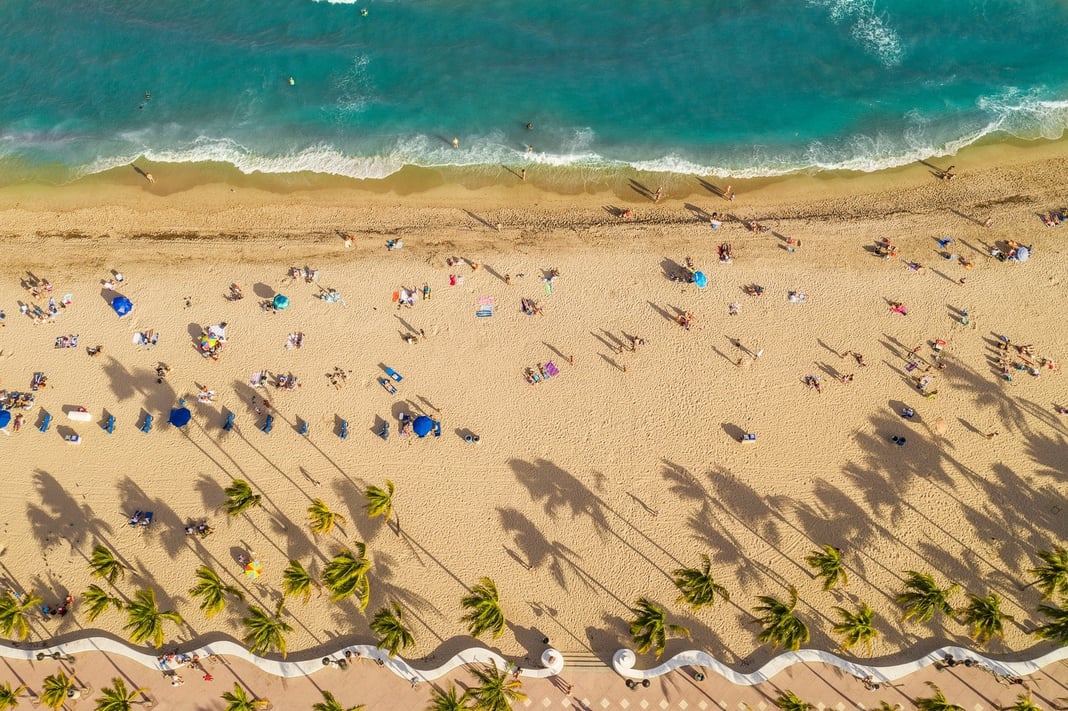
485,307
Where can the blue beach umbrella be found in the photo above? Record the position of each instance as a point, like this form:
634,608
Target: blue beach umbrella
700,279
122,305
422,425
180,416
5,418
281,302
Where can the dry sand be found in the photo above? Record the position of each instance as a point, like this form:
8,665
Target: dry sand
588,490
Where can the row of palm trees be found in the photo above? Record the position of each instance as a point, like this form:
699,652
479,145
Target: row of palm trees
937,701
921,600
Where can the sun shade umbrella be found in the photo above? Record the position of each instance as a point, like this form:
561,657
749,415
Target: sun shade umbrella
180,416
422,426
122,305
281,302
253,569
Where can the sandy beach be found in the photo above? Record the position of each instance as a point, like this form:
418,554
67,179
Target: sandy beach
585,491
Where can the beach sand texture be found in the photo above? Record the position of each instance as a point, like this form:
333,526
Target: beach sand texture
585,491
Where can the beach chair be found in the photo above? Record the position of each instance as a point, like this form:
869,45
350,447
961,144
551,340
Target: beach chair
384,432
146,520
136,518
147,426
110,426
344,433
747,438
46,422
229,424
268,424
394,375
437,428
551,370
303,427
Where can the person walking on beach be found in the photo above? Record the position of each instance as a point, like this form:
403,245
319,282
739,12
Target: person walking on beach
455,142
658,194
523,174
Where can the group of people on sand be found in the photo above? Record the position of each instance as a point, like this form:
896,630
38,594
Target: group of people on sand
1021,358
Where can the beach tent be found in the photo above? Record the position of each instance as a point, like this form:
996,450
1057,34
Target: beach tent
180,416
422,426
122,305
281,302
5,418
700,279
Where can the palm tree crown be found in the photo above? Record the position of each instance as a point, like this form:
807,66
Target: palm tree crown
15,609
380,501
56,688
393,635
144,619
497,689
9,698
104,564
789,702
239,498
296,581
329,703
321,519
984,616
346,574
448,700
266,633
1023,703
117,698
697,585
782,627
828,565
857,627
1056,629
936,702
212,591
238,700
95,601
922,597
649,628
484,613
1052,575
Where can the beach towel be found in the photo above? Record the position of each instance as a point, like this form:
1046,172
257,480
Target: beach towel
485,307
257,380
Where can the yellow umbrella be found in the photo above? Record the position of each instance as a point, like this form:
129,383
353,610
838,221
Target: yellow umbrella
253,569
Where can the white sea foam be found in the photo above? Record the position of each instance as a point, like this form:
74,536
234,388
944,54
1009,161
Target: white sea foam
868,27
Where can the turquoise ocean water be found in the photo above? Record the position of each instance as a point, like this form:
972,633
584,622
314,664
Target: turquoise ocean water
750,87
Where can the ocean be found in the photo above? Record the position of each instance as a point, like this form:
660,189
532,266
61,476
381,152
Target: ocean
361,89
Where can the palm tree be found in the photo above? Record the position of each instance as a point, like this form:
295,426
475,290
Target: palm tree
393,635
96,601
57,688
447,700
297,581
212,591
321,519
649,628
1052,576
9,698
104,564
145,620
1023,703
936,702
346,575
782,628
329,703
239,498
497,689
697,585
857,627
985,617
238,700
117,698
1056,630
484,613
380,502
828,565
266,633
14,613
789,702
922,597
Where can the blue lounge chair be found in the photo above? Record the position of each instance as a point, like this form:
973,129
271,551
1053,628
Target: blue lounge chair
147,427
437,428
229,422
303,427
344,433
46,422
110,426
268,424
394,374
136,518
